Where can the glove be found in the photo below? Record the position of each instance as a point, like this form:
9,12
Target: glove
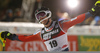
95,11
6,34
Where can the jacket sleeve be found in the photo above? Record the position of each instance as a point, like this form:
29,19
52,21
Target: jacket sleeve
24,38
68,23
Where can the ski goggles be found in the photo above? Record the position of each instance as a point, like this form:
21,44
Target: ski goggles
42,14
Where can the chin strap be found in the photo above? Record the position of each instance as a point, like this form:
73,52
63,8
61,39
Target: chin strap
47,22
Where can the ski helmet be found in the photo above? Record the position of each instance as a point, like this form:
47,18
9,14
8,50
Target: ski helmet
42,12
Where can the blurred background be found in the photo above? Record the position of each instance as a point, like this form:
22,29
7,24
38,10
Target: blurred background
23,10
17,16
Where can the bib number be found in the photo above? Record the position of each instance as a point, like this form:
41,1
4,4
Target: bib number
53,43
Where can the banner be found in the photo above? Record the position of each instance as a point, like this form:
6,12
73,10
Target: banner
25,46
38,45
73,42
76,43
30,28
89,43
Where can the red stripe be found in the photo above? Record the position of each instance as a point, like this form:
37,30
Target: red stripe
45,40
61,33
50,29
64,46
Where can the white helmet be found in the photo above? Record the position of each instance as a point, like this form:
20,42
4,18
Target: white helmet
42,12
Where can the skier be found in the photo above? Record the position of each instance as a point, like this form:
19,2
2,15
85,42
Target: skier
54,33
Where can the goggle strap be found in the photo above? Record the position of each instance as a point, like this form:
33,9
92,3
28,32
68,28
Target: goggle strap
48,15
44,19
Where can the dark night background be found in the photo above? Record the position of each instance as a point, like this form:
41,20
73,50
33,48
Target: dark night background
84,6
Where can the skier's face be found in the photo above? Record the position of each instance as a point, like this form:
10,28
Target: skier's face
44,21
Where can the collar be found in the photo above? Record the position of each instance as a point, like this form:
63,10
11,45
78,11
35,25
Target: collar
50,27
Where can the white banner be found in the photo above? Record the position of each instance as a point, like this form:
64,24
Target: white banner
20,28
30,28
84,30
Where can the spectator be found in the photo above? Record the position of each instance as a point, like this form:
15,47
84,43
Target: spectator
17,16
88,21
97,20
9,16
17,13
62,15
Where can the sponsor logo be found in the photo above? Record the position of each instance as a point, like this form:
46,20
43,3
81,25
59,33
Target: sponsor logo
90,43
48,35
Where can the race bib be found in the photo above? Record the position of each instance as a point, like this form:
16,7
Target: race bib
57,44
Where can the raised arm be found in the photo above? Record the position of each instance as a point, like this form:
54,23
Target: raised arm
23,38
65,24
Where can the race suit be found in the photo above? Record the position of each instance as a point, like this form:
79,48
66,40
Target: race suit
55,36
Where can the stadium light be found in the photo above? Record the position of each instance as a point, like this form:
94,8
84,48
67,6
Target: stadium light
72,3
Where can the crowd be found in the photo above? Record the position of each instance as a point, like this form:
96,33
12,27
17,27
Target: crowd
11,16
90,21
15,16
